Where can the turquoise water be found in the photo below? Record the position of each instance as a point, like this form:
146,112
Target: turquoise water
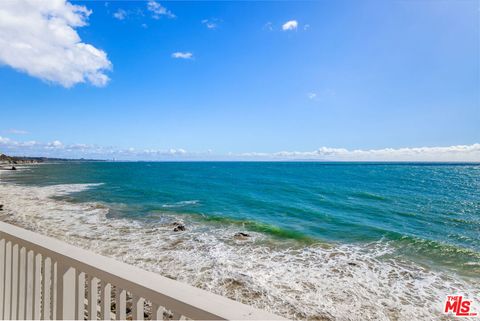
429,213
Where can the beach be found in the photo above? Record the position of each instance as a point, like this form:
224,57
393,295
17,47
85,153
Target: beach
310,271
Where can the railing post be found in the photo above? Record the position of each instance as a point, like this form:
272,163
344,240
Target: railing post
65,292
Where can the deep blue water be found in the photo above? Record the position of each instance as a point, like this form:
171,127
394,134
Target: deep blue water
430,212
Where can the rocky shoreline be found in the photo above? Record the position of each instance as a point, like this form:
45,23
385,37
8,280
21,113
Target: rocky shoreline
14,160
9,162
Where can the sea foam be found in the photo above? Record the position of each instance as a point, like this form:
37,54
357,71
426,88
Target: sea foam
311,282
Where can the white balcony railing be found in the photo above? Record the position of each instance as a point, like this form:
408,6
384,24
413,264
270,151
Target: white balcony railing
43,278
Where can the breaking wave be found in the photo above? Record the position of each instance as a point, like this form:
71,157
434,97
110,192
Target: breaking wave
181,204
299,280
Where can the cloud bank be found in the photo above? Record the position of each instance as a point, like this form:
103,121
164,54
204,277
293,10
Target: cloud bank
39,38
457,153
460,153
57,149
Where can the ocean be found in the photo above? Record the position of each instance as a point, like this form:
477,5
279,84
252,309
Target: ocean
324,241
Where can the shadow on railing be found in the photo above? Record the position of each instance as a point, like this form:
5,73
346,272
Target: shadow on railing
43,278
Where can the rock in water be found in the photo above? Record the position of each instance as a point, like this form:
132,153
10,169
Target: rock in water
1,207
241,235
178,227
14,168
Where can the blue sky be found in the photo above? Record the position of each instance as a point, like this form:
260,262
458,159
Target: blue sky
240,79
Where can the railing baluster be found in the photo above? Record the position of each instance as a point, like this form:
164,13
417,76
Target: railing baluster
2,275
92,297
106,299
137,308
47,294
80,285
59,290
15,266
37,292
66,292
8,281
43,275
25,287
120,303
22,284
34,285
53,285
55,292
29,294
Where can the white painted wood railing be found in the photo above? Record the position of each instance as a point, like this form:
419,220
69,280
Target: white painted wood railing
43,278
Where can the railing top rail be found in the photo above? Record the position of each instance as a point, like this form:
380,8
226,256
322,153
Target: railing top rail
152,286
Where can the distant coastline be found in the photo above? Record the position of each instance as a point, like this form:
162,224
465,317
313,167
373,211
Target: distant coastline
14,160
6,160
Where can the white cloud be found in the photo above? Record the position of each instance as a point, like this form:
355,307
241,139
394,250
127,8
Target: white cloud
39,38
4,140
179,151
120,14
290,25
55,144
211,23
182,55
158,10
322,95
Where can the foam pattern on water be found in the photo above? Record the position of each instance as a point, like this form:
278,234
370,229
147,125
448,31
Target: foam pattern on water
314,282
